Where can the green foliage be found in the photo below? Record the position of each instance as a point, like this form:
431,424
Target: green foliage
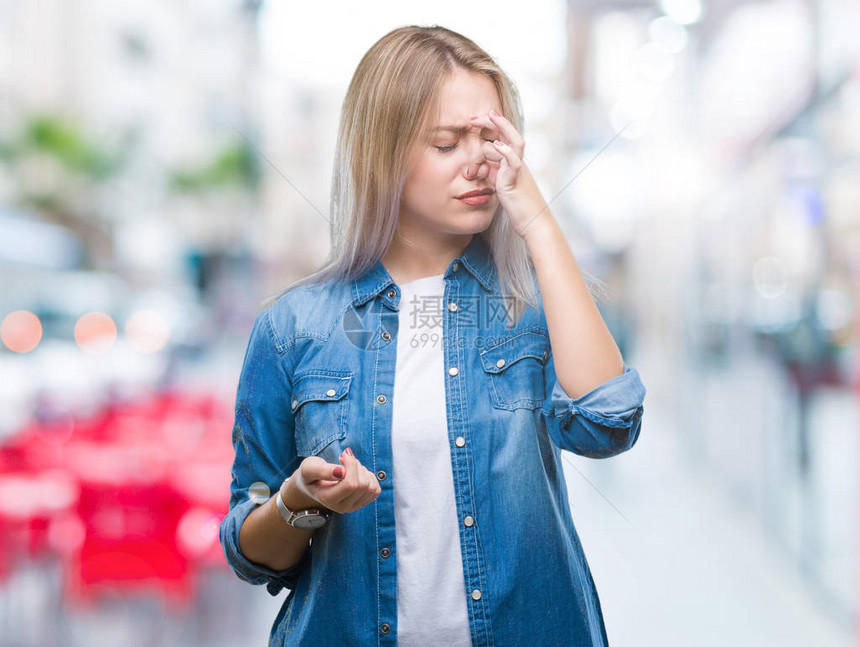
64,141
234,166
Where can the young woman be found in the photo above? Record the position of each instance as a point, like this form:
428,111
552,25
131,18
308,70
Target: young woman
400,413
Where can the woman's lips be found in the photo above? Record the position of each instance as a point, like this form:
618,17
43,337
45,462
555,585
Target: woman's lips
476,200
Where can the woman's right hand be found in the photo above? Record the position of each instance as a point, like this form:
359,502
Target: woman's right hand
340,488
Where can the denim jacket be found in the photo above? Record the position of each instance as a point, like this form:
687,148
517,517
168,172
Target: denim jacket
318,376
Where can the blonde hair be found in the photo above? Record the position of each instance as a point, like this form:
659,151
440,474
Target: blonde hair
387,107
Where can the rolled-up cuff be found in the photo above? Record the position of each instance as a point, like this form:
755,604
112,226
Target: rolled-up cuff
244,568
613,403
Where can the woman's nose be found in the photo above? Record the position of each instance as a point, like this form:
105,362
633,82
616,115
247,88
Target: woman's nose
476,166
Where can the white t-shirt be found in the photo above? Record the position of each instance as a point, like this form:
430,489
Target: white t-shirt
431,591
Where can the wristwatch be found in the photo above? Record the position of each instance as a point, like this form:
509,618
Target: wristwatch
307,519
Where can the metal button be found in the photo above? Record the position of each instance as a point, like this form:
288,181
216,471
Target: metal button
380,399
380,475
459,441
385,552
453,370
385,628
259,492
476,594
386,335
545,354
468,521
454,267
330,392
391,294
295,403
500,363
452,307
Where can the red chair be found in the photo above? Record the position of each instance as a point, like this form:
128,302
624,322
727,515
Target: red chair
130,542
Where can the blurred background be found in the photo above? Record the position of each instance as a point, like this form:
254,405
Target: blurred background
164,166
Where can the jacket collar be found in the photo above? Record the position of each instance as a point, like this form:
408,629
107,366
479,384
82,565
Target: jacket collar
476,258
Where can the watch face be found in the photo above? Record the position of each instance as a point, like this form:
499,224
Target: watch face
310,521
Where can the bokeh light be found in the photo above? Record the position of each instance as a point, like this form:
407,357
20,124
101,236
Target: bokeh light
197,531
770,277
21,331
95,332
147,331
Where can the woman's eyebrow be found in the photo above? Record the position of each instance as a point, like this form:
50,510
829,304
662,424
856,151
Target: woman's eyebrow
455,129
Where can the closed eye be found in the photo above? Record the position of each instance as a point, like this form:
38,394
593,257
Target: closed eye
447,149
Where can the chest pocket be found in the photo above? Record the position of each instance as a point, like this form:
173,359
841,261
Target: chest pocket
320,406
514,370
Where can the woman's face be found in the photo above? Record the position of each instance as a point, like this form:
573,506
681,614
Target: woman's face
451,162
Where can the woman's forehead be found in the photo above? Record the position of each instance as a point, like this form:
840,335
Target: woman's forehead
462,94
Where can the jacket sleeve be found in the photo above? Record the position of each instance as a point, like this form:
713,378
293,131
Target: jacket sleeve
265,452
601,423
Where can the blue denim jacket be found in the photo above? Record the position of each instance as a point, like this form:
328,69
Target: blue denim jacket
318,376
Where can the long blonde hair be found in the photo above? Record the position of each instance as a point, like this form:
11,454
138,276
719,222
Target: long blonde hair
392,94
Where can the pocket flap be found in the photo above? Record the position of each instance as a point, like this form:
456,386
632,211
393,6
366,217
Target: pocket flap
528,344
319,387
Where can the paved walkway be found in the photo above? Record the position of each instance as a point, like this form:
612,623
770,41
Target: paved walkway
688,566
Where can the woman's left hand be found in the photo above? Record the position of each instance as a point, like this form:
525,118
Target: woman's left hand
515,187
